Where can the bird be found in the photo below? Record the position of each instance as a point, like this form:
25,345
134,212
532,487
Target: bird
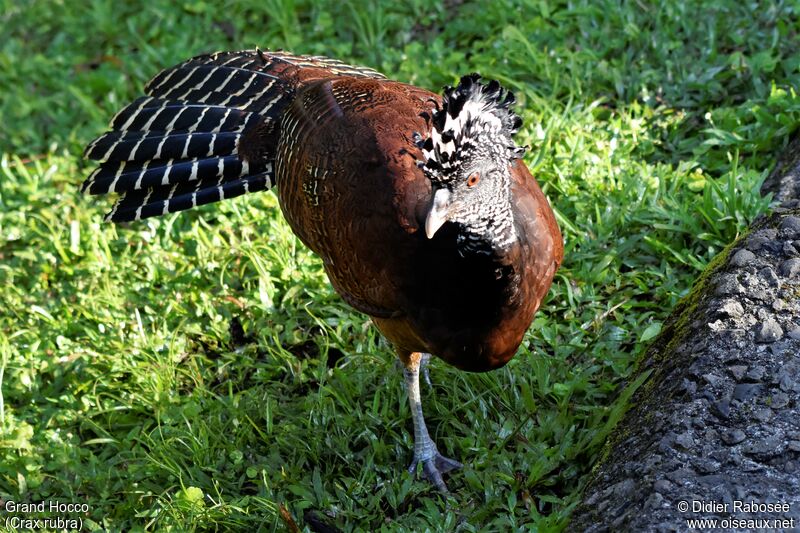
419,204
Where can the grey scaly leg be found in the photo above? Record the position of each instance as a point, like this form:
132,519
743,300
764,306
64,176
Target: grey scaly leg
433,463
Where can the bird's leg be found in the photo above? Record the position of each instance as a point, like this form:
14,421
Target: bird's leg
433,463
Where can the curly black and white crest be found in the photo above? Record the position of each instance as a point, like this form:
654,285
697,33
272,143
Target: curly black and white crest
474,121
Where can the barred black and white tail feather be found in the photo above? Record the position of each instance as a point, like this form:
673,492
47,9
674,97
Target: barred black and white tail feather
147,145
248,60
137,175
159,114
161,200
180,146
231,81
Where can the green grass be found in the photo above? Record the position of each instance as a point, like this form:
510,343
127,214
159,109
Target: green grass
121,384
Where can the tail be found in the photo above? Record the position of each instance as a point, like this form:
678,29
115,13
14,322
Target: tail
206,131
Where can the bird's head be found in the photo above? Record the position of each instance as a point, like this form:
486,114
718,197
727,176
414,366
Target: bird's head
467,157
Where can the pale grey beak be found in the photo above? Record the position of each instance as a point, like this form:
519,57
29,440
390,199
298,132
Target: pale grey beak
437,216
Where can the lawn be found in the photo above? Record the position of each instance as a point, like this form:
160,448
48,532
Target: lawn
197,372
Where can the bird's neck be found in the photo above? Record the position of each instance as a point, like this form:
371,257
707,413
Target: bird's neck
492,234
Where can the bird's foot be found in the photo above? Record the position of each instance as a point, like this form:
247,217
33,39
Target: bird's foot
433,467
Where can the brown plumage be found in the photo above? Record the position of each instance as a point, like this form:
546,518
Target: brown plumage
424,215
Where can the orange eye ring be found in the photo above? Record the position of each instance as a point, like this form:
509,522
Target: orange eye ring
473,179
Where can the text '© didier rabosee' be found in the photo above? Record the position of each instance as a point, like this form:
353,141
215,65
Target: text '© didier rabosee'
737,506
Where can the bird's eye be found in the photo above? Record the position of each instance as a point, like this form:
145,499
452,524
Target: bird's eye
473,179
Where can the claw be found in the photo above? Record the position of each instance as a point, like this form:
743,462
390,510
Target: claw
434,467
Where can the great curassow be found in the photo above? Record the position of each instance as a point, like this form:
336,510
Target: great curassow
423,213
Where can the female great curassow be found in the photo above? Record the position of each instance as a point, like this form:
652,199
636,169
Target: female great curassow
424,216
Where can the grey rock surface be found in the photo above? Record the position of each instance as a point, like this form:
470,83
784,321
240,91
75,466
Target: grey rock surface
715,428
784,180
